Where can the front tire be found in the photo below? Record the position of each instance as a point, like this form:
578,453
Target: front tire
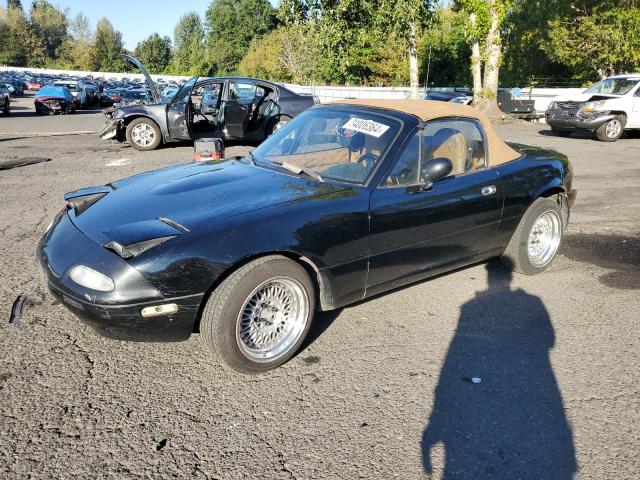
258,317
7,107
536,240
143,134
611,130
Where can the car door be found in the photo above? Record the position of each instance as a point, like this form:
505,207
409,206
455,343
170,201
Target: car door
241,94
634,118
416,227
179,111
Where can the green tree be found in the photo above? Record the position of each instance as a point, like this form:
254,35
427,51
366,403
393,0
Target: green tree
232,25
601,42
404,19
444,52
484,30
108,48
20,46
188,40
14,4
50,25
78,48
154,52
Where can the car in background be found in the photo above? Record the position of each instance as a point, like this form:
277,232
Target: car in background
135,96
347,201
77,89
5,100
52,99
169,91
446,95
34,85
609,107
111,96
248,109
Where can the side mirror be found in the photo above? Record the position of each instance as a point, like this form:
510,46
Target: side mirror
436,169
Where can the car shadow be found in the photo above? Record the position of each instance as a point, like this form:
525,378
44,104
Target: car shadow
582,134
498,412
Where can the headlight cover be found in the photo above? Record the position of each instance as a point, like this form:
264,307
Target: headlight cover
88,277
591,107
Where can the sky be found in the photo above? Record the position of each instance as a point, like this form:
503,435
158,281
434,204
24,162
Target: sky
136,19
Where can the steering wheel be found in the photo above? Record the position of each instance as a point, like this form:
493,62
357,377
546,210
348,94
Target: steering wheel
368,160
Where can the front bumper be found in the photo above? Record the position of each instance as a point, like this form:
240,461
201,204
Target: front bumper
115,314
110,130
575,122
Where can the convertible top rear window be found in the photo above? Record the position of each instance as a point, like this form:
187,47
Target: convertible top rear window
336,143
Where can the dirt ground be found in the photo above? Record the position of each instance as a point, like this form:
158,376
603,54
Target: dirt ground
383,389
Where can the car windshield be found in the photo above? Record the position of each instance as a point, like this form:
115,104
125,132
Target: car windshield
136,95
339,144
614,86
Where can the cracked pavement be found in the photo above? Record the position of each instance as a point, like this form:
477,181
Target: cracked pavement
381,389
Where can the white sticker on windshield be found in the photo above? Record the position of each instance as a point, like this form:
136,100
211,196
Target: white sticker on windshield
369,127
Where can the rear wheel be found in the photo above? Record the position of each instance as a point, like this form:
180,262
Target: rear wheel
143,134
537,239
612,130
277,124
258,317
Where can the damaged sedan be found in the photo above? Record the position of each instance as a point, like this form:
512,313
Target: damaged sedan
346,201
230,108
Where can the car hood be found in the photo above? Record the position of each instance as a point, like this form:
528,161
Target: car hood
582,97
191,196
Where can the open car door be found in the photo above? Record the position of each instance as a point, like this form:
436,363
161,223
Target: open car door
180,111
240,97
154,88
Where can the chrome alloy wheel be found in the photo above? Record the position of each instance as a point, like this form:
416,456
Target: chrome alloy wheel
613,128
272,319
544,238
143,134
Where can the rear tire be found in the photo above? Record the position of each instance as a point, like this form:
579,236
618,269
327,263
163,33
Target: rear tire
277,124
258,317
611,130
536,240
143,134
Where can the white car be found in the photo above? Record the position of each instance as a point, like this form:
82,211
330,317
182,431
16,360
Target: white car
77,88
609,107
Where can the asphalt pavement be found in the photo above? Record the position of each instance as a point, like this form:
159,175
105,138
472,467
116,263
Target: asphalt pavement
474,374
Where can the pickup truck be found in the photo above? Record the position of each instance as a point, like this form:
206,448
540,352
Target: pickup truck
609,107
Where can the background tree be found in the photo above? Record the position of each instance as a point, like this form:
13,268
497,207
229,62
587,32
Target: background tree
188,40
14,4
485,21
49,24
601,41
20,46
404,19
108,48
78,48
232,25
154,52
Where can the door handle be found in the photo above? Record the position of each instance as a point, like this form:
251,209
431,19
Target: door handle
488,190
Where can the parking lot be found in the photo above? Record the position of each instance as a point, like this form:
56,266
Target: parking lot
382,389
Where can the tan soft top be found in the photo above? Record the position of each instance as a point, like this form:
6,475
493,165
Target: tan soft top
499,152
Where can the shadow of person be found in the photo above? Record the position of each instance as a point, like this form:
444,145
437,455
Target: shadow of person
511,424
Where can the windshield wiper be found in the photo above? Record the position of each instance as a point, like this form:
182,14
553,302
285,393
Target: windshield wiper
298,170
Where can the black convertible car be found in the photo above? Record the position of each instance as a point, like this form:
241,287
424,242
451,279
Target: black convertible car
231,108
346,201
